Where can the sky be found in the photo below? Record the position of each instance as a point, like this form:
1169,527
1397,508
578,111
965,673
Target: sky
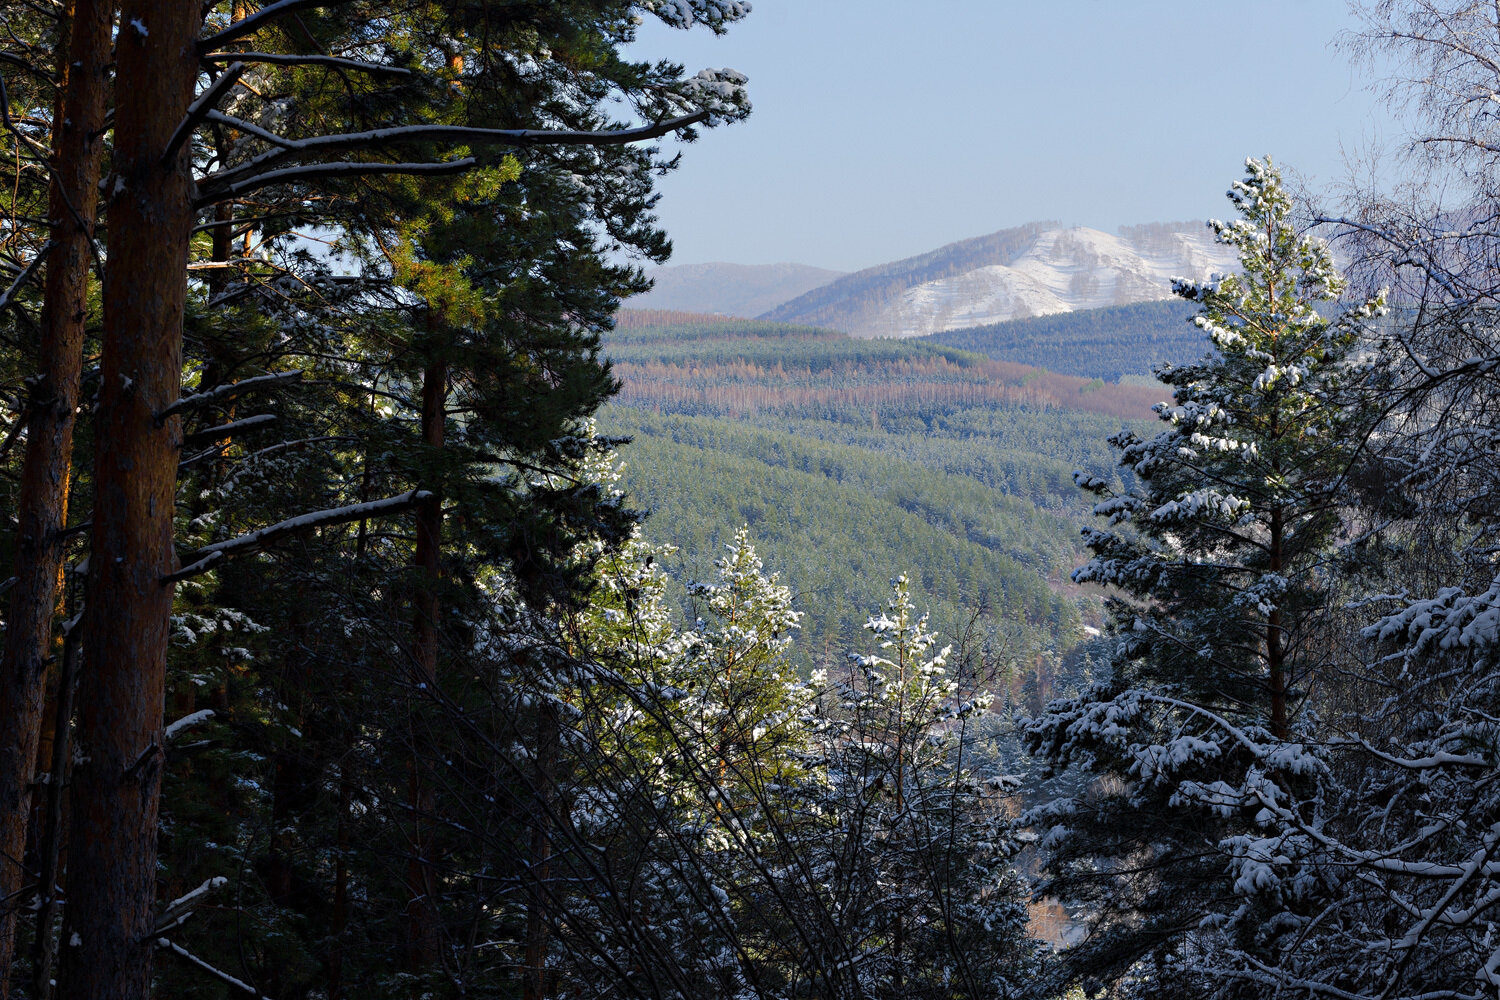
885,128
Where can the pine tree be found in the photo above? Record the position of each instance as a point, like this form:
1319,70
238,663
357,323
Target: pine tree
936,909
1219,556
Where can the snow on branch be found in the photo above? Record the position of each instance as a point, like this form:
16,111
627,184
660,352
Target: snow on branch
229,391
26,274
314,171
182,907
200,108
288,59
218,974
186,722
233,427
250,128
207,556
231,181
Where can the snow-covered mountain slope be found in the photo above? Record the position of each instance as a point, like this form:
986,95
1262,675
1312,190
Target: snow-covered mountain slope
731,289
1033,271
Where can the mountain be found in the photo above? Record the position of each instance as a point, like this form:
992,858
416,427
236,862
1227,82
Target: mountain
1034,270
731,289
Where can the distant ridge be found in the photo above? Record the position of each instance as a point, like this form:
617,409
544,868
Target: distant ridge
1034,270
743,290
855,302
1108,343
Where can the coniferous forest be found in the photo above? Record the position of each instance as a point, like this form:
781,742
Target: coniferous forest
387,613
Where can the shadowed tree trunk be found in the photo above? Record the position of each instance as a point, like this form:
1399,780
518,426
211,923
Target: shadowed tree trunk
539,868
107,929
422,938
42,506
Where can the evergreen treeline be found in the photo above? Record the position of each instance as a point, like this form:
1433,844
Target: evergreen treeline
846,456
1107,343
831,518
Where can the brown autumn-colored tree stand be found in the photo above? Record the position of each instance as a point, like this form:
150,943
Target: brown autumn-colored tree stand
42,508
107,930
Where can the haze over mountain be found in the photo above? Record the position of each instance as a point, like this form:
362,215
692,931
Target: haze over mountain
1033,270
744,290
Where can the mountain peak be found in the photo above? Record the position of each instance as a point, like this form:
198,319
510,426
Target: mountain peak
1031,270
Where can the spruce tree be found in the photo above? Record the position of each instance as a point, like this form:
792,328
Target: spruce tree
1218,557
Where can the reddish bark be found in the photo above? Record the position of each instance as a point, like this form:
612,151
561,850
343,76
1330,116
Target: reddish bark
116,792
42,504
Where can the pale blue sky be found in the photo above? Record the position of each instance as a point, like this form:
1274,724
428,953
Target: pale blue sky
883,128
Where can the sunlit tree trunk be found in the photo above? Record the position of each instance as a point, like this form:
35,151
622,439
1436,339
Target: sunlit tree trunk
42,504
116,793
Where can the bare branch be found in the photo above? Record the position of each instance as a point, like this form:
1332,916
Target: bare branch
218,185
313,171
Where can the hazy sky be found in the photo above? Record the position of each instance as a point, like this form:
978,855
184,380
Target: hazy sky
883,128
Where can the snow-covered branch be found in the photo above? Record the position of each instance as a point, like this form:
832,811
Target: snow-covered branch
187,722
233,427
218,974
289,59
235,180
203,559
229,391
25,274
200,108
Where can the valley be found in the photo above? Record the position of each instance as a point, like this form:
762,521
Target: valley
854,460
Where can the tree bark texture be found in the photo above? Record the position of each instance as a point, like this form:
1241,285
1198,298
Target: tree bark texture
42,504
107,939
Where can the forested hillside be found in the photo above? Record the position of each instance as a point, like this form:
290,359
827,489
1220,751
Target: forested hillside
1104,343
851,460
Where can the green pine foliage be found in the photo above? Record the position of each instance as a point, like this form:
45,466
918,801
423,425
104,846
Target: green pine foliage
1219,559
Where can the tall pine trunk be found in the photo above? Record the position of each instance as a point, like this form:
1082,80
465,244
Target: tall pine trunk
42,504
116,793
422,932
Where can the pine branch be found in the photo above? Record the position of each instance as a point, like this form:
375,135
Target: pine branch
203,559
229,391
286,59
236,180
